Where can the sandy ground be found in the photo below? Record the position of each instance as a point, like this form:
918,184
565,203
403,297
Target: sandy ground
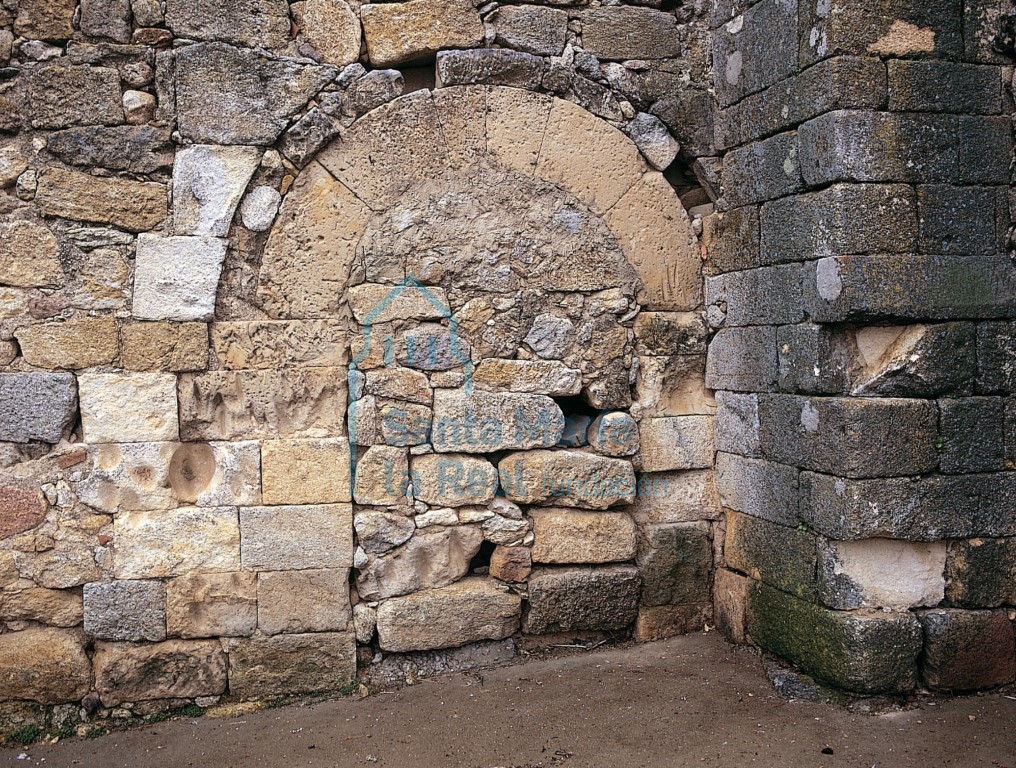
692,701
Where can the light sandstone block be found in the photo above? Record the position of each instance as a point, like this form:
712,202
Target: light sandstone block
305,471
128,407
567,478
578,536
77,343
472,610
176,277
588,157
453,480
679,442
208,182
289,538
212,605
401,33
314,600
166,543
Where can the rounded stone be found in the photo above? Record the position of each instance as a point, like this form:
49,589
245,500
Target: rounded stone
259,208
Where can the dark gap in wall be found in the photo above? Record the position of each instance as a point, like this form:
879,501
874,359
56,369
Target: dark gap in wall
481,560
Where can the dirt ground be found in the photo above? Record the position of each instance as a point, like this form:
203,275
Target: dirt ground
692,701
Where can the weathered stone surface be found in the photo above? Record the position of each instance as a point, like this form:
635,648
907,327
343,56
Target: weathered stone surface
543,377
675,497
208,182
212,605
472,610
382,476
489,67
852,437
28,255
380,532
730,595
364,622
322,662
138,149
128,407
405,424
570,599
675,562
265,404
399,384
110,19
656,236
156,545
596,163
12,165
967,650
530,28
672,386
176,277
881,573
743,359
482,422
303,601
653,139
132,205
126,610
764,296
308,136
297,537
372,303
758,488
259,208
44,665
21,509
227,95
573,536
333,29
433,557
53,607
45,19
164,346
412,31
867,653
624,32
147,13
510,111
972,435
148,476
780,556
670,333
373,89
305,471
614,434
513,564
680,442
175,669
63,96
260,24
311,248
659,622
453,480
737,424
567,478
981,573
77,343
36,406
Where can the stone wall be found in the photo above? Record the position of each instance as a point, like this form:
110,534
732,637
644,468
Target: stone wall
335,332
860,281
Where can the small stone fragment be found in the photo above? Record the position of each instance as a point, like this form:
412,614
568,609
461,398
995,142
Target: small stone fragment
138,107
614,434
653,139
259,208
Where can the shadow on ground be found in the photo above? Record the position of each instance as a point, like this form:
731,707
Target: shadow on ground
691,701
